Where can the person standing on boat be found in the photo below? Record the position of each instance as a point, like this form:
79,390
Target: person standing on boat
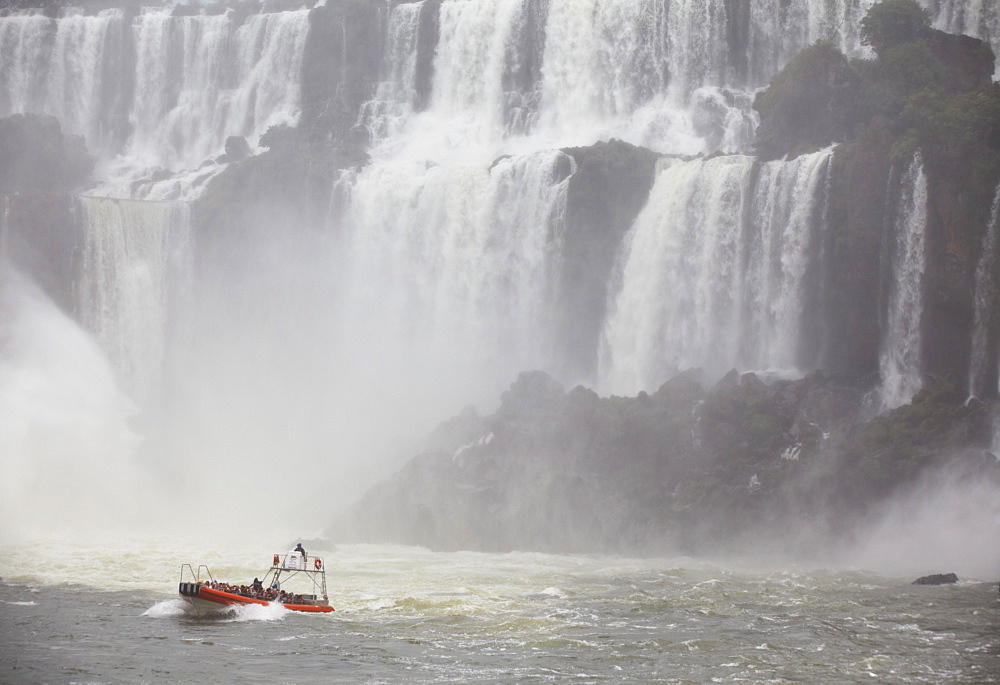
298,548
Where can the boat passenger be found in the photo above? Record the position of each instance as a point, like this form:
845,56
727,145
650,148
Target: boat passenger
298,548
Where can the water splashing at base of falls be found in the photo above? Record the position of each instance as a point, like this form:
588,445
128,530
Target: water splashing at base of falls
65,440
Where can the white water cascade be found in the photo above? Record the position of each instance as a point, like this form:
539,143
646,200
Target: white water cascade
195,80
712,274
984,305
395,95
63,67
666,75
200,79
136,255
466,260
900,356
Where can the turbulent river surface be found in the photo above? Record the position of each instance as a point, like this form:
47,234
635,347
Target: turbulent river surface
103,613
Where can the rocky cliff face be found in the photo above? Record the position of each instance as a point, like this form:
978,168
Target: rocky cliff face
684,468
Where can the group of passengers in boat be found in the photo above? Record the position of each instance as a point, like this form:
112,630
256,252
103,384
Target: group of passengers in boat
257,591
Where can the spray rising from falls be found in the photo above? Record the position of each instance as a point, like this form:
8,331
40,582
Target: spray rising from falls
714,270
900,356
135,253
65,442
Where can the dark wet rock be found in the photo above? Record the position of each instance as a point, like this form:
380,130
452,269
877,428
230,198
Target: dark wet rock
237,148
936,579
605,194
679,469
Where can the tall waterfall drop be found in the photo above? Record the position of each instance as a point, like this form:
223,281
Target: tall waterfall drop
135,254
194,81
899,360
713,272
985,306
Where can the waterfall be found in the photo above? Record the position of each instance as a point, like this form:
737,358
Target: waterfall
670,76
200,79
900,356
788,203
135,254
396,93
713,270
984,306
63,67
466,260
977,18
195,80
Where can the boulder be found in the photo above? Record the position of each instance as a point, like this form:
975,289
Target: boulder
936,579
237,148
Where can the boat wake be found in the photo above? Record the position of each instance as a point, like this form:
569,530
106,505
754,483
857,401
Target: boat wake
166,609
239,613
235,613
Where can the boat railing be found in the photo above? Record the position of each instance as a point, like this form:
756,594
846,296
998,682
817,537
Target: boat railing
196,576
290,561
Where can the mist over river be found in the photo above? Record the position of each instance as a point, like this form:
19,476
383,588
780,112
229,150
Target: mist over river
107,612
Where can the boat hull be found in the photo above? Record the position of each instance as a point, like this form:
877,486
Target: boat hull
204,600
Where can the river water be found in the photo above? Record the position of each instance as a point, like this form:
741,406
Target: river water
108,612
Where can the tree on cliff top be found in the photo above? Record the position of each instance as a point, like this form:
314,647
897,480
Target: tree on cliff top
809,104
893,22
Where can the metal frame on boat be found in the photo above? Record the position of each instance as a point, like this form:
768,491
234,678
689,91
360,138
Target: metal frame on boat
199,588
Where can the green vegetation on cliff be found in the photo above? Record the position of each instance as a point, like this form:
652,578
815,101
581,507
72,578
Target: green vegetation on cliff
811,103
924,90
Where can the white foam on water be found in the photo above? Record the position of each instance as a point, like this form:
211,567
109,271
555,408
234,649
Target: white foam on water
240,613
167,609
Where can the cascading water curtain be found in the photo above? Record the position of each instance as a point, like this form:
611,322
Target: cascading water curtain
901,350
985,307
200,79
64,67
713,271
133,254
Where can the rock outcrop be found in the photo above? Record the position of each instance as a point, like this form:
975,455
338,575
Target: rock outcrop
683,469
937,579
